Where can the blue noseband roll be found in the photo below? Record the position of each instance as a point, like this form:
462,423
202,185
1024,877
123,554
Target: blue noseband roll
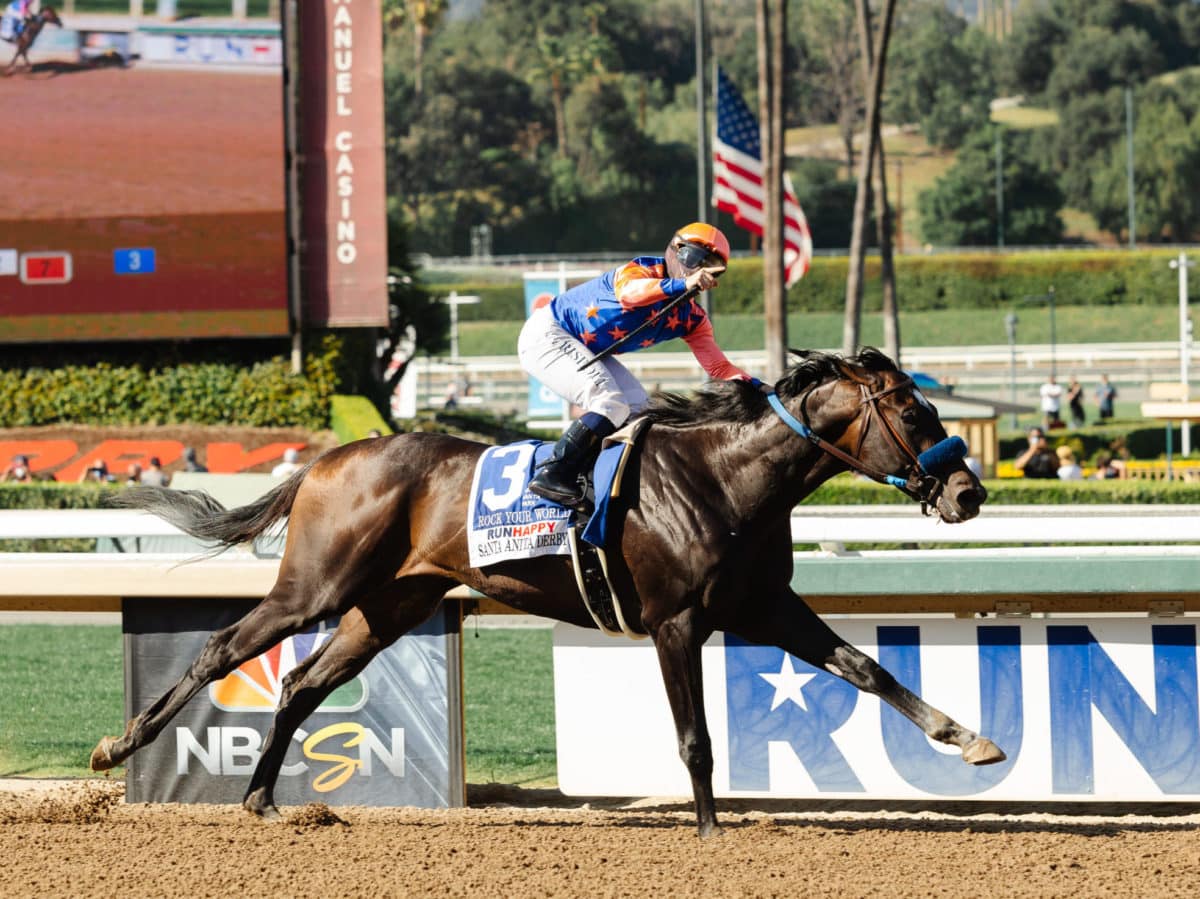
943,455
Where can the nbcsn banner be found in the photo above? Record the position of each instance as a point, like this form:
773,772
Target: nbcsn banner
390,736
1086,709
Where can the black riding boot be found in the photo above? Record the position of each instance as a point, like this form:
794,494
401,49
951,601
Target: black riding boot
557,478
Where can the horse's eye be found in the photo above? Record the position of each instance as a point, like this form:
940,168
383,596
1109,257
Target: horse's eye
910,415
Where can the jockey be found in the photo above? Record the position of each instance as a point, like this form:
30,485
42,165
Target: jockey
560,337
15,15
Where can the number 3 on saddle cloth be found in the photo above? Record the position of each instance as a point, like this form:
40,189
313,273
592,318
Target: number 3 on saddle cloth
505,521
11,27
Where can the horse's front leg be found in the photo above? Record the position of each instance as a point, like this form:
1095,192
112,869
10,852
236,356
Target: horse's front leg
678,641
791,625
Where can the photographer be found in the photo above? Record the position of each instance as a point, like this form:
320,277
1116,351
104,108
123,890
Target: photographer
18,472
1038,461
97,471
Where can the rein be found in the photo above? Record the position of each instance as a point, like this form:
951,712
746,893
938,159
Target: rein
921,484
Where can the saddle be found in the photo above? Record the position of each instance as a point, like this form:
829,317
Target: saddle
505,522
588,534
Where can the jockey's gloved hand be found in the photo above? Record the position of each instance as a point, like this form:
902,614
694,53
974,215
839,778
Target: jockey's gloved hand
703,279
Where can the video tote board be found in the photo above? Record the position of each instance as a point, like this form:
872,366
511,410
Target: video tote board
145,180
144,185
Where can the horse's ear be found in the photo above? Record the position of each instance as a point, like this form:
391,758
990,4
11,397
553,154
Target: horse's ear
854,373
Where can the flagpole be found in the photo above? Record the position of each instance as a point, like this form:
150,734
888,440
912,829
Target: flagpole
701,132
701,137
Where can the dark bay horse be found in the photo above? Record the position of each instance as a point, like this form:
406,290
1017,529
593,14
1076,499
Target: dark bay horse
377,535
33,27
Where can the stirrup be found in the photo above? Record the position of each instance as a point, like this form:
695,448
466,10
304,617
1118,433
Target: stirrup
559,492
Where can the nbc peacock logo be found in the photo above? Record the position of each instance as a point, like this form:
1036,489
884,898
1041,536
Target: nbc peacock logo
256,685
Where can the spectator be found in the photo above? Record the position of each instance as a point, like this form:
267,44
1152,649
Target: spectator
1038,461
18,471
190,462
154,476
1107,467
1075,403
289,466
451,396
1051,404
1068,468
97,471
1105,394
133,475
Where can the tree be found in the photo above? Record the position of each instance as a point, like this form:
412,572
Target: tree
883,214
852,320
771,19
960,209
560,62
1167,175
941,74
1029,52
833,67
1088,127
466,155
424,16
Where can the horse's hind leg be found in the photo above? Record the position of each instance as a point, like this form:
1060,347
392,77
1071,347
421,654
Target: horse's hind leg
792,626
678,642
267,623
363,632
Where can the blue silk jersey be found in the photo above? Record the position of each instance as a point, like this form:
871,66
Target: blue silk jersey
602,311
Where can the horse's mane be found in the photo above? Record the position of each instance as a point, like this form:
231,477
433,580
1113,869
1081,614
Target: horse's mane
737,402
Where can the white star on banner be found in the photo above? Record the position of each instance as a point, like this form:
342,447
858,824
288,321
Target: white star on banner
788,684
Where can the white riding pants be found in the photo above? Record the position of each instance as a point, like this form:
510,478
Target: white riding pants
553,356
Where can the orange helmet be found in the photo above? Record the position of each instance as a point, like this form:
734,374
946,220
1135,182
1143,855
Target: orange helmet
706,235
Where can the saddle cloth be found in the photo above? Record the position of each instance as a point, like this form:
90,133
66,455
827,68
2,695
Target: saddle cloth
10,27
505,521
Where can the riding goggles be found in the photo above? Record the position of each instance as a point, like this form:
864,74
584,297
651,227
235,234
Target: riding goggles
694,256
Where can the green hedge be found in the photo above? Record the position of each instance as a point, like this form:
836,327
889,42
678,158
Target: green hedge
1141,440
155,390
961,280
848,491
353,417
843,490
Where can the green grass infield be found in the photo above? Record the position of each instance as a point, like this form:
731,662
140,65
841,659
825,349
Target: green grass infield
61,690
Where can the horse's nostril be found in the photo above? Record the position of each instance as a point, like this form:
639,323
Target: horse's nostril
972,498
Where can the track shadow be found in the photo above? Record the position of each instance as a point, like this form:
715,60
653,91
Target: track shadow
54,69
1078,818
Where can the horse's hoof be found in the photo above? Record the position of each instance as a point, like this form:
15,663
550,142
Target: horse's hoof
710,831
982,751
261,807
102,758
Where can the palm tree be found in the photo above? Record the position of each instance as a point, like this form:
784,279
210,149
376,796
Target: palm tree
424,16
883,218
854,288
561,61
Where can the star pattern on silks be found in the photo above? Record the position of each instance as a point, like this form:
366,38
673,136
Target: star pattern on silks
588,337
593,311
616,333
673,321
788,684
647,342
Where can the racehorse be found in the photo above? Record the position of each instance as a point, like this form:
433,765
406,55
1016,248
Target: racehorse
377,534
33,27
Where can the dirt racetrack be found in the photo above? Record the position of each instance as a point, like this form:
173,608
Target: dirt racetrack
80,839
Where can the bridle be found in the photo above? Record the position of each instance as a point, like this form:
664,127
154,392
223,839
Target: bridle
923,479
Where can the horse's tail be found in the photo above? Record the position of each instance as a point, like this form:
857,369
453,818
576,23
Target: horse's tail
196,513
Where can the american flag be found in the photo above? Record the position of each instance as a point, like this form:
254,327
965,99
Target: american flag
738,180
